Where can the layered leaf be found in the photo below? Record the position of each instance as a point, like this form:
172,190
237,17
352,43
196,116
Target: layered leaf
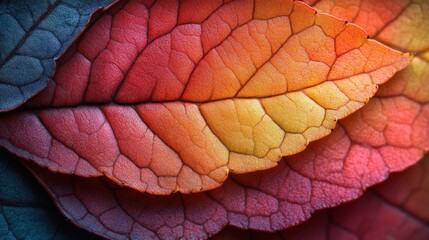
174,104
331,171
26,211
395,209
32,35
403,25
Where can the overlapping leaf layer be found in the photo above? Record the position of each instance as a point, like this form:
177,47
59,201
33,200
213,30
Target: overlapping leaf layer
395,209
389,134
174,105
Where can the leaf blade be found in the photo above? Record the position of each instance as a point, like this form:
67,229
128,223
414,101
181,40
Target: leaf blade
175,86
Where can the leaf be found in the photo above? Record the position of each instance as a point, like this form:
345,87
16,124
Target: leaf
26,212
328,173
175,105
395,209
32,36
404,27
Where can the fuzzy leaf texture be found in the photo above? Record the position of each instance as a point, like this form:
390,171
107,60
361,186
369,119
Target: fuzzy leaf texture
162,100
32,35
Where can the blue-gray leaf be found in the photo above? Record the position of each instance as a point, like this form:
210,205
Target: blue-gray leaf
26,211
33,33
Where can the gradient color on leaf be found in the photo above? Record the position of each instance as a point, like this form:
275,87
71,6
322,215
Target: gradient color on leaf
33,34
331,171
403,25
268,201
400,204
395,209
174,105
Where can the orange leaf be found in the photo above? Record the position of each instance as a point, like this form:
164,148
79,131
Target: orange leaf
175,104
401,26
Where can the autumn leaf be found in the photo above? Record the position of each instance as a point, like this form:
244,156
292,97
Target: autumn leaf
395,209
32,35
330,172
166,106
402,26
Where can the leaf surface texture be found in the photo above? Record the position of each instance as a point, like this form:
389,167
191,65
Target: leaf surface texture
394,209
388,135
175,105
32,35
